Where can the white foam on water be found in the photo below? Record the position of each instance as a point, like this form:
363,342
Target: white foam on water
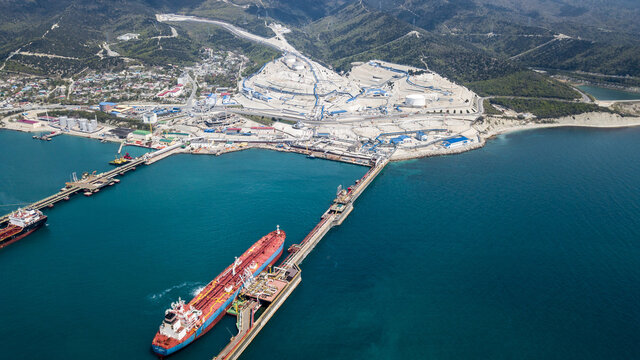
161,294
197,290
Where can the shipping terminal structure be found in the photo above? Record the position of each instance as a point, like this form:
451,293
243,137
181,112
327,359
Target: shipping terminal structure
21,223
253,288
184,323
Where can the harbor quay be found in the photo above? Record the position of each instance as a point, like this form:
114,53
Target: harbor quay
261,294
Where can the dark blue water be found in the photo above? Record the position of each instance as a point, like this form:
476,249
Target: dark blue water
528,248
601,93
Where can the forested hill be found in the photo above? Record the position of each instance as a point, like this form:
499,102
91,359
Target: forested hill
469,41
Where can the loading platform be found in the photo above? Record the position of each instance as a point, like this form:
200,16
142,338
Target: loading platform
92,183
258,302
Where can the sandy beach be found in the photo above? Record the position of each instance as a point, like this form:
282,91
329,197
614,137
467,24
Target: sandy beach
489,128
494,126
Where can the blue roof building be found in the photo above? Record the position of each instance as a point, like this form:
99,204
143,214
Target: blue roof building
455,142
399,140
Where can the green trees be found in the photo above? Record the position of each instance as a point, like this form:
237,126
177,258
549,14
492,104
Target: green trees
545,109
524,83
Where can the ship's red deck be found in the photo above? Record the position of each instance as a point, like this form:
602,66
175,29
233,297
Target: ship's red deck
214,295
10,230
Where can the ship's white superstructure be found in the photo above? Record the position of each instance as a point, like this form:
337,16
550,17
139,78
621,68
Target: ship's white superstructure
25,217
179,320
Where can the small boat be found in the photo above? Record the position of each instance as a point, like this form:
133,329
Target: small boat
119,161
311,156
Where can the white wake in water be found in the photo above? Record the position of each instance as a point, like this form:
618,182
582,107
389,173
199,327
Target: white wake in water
196,288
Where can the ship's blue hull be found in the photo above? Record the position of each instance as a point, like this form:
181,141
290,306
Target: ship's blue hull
216,316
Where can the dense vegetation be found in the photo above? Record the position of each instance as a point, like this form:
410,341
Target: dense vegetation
484,44
490,109
219,39
525,83
612,80
160,51
360,34
545,109
573,54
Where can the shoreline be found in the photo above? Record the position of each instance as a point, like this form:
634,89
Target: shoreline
493,127
490,129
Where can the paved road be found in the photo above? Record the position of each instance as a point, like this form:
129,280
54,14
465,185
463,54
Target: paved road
272,42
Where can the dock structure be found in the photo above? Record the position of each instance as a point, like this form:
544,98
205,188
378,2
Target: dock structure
89,183
345,157
92,183
264,294
47,137
271,289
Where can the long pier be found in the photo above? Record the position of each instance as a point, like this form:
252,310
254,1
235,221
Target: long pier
345,157
271,289
268,289
92,183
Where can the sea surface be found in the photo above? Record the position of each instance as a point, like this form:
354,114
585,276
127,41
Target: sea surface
606,94
528,248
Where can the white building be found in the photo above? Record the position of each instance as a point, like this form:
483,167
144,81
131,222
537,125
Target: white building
128,36
150,118
416,100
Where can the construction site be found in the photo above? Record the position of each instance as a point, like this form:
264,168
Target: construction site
302,88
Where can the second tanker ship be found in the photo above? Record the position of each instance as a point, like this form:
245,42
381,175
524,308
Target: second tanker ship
184,323
21,224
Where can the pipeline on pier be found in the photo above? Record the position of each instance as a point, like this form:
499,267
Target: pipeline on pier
92,183
271,289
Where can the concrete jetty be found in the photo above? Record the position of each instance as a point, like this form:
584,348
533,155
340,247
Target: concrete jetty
271,289
91,183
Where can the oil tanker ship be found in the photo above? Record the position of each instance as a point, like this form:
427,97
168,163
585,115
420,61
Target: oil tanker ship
184,323
21,224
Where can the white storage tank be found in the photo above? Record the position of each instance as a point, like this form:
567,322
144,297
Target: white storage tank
289,60
416,100
82,124
149,118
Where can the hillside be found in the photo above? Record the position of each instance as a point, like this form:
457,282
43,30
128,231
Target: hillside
467,41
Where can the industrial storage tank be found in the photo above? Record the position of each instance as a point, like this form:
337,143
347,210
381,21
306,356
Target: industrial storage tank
416,100
71,123
82,124
150,118
289,60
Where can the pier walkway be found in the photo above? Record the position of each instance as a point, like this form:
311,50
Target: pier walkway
273,289
92,183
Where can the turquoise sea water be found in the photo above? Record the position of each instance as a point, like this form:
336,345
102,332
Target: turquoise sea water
605,94
528,248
